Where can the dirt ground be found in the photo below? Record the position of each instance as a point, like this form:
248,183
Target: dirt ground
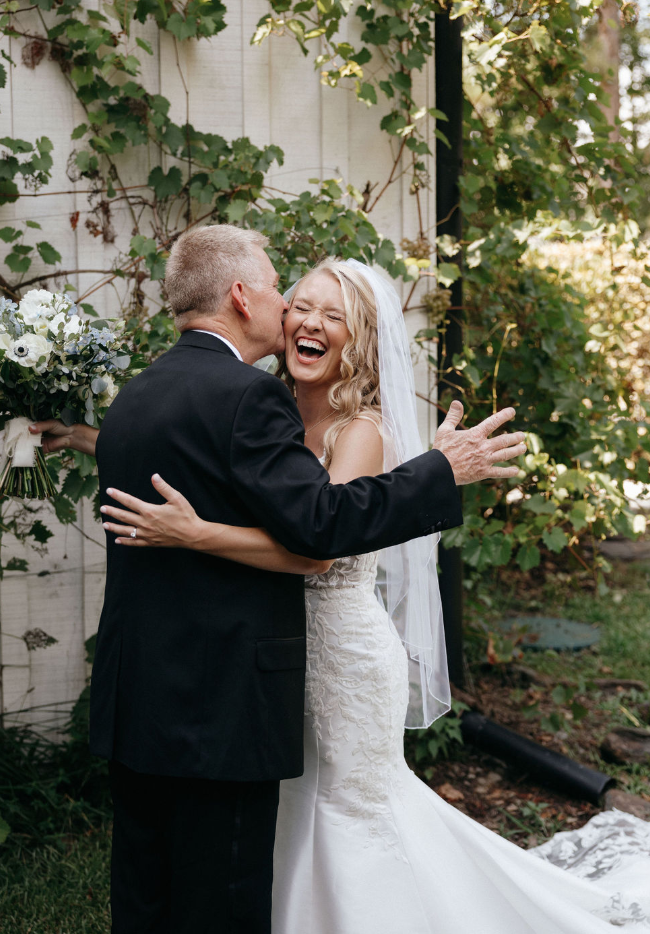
518,696
505,799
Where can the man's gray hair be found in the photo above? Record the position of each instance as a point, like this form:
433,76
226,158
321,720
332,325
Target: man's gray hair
204,263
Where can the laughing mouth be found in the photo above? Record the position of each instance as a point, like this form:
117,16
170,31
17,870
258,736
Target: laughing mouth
308,349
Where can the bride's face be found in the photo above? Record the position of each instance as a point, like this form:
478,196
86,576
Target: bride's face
316,331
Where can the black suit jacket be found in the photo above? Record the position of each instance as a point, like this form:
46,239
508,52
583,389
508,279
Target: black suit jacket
199,666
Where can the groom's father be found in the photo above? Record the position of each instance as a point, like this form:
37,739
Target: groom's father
197,689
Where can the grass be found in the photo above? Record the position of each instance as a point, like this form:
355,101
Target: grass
56,890
623,615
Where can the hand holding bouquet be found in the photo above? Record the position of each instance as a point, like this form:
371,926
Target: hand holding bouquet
53,364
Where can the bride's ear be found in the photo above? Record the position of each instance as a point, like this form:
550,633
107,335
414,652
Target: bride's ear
240,300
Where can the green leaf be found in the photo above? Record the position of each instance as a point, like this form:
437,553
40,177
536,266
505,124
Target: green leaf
555,539
40,532
558,695
18,264
236,210
8,191
366,92
539,505
76,487
82,76
16,145
165,186
578,711
472,551
64,509
323,212
447,273
33,224
144,45
8,234
47,253
402,81
528,557
580,515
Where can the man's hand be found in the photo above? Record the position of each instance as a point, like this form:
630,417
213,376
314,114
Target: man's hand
473,455
56,436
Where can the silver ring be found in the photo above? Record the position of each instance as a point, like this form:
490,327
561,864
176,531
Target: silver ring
133,533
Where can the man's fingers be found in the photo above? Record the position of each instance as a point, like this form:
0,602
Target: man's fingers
506,454
454,416
495,421
500,473
129,518
126,500
506,440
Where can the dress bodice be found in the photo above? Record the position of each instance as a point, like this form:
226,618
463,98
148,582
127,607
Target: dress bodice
355,571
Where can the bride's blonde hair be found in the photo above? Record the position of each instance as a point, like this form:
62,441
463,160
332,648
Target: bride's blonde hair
357,392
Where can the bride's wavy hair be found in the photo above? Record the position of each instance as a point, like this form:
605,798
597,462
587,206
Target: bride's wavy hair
357,392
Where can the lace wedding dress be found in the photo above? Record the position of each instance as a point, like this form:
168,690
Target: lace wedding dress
365,847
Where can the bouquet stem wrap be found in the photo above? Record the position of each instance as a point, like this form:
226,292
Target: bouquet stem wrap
22,466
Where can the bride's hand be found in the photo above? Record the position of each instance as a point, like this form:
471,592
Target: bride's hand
172,525
57,437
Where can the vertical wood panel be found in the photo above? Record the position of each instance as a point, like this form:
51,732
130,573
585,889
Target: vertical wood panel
295,115
255,72
271,94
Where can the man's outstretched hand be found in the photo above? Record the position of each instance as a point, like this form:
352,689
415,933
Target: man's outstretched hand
472,453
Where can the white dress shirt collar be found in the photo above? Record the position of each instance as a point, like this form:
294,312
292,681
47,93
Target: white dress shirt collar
219,337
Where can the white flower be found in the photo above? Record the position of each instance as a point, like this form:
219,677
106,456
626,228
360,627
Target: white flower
37,303
41,326
29,349
55,323
107,396
5,341
71,325
74,325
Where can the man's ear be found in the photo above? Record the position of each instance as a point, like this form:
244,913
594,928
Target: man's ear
240,300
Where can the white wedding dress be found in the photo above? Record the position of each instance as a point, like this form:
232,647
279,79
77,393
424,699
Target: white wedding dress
365,847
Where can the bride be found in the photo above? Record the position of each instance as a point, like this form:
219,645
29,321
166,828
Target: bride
363,846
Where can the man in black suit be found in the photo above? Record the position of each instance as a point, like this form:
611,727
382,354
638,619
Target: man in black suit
197,687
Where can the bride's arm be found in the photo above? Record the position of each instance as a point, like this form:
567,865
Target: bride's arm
358,452
176,525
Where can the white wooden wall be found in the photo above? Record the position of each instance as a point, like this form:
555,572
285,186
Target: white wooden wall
269,93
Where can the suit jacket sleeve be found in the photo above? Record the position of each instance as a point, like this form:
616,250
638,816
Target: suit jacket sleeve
289,490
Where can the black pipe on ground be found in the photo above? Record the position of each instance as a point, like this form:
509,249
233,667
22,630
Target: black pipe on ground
543,765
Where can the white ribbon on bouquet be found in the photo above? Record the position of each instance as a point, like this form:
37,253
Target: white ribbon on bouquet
17,444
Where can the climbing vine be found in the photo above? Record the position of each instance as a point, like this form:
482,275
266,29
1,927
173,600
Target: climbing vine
541,164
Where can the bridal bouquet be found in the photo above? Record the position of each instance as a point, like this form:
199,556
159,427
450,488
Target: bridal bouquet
53,364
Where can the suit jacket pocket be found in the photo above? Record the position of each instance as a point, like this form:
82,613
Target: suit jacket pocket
281,654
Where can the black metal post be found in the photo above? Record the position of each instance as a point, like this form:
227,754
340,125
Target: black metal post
449,161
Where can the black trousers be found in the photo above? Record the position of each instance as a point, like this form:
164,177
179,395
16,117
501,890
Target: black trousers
191,856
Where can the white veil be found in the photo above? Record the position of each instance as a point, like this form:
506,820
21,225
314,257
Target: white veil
413,595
